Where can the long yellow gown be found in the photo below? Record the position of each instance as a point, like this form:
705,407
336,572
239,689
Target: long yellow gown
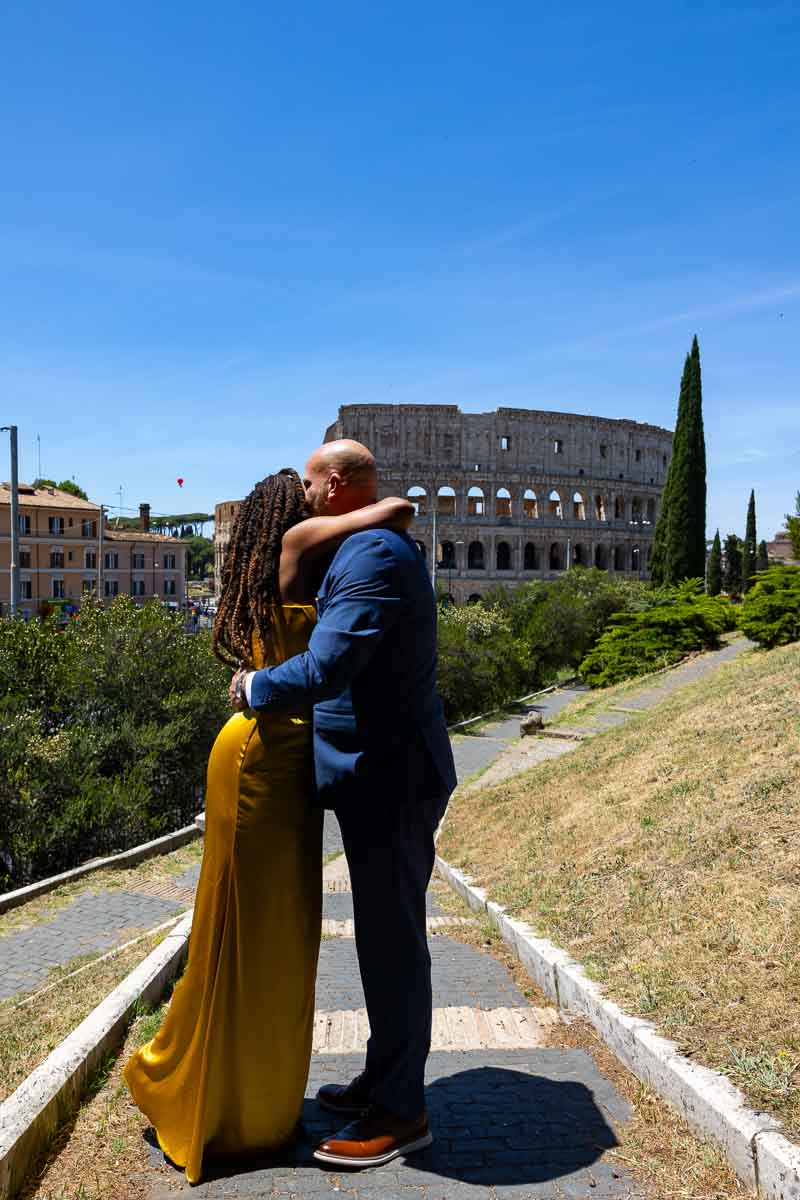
226,1073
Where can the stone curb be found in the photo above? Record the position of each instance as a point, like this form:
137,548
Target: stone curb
127,858
33,1113
766,1161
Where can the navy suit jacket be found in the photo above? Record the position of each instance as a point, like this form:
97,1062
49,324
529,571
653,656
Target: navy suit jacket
370,670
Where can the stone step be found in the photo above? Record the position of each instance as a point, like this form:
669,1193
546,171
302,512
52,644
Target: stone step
346,1031
346,929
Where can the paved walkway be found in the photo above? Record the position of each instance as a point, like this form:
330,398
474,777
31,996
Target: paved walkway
510,1118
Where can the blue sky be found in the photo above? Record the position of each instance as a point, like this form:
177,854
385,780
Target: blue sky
220,222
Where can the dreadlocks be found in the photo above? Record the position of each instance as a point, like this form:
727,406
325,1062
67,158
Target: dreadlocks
250,572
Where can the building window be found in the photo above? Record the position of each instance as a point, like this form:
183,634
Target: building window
88,529
111,587
558,446
137,588
505,443
169,562
58,589
57,559
638,456
112,562
169,587
90,560
24,524
603,450
56,525
26,589
138,562
89,585
24,559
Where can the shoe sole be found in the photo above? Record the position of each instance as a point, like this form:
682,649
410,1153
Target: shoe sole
376,1160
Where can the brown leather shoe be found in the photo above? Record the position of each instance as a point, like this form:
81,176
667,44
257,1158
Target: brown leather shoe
353,1097
374,1139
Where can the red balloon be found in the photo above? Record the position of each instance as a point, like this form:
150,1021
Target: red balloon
180,483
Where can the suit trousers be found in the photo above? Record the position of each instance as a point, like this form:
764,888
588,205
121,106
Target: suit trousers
390,853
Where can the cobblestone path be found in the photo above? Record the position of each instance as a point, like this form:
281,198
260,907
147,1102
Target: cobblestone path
511,1118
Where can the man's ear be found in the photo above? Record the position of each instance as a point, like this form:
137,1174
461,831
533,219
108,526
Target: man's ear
335,484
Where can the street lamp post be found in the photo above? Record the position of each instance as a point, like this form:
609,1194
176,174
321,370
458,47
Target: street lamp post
11,430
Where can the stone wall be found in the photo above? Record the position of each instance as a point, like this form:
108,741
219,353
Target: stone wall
517,494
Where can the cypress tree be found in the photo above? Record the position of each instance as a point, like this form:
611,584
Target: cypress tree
762,562
749,549
732,574
714,575
679,543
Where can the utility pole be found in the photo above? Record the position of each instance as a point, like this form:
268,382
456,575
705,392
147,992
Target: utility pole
11,430
100,539
435,547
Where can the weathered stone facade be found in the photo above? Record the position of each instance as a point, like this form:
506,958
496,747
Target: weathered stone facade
518,494
515,494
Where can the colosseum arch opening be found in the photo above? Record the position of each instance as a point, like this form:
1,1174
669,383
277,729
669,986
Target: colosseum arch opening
530,558
476,502
446,501
601,558
578,507
502,503
503,556
419,498
554,508
579,556
530,505
556,557
475,560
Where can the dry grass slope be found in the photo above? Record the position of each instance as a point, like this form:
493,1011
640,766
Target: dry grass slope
665,856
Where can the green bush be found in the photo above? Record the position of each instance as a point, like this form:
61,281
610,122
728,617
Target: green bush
105,729
637,642
481,664
770,612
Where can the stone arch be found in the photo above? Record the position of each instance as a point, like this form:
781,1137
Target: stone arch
448,555
636,510
530,560
474,598
503,556
580,557
650,518
419,498
554,506
476,502
475,559
619,508
446,501
556,557
620,558
502,503
600,508
578,507
601,558
530,505
636,558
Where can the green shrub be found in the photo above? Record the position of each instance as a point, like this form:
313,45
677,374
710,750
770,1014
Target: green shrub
481,664
638,642
105,729
770,612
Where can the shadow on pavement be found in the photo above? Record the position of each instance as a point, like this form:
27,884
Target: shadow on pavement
491,1125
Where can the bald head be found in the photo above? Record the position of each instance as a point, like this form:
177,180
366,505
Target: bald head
339,477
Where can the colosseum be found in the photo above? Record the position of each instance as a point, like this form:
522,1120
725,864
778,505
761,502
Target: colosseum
511,495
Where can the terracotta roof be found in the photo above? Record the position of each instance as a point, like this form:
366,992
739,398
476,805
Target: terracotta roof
45,498
138,535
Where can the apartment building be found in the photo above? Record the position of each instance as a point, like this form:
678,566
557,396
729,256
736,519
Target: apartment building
59,541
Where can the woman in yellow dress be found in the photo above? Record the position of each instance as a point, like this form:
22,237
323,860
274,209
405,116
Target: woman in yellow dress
226,1073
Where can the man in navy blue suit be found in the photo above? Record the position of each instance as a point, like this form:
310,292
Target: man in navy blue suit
384,765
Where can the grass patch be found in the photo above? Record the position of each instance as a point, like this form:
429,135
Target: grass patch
665,856
29,1032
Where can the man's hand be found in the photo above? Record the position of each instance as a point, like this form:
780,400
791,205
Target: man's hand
236,693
